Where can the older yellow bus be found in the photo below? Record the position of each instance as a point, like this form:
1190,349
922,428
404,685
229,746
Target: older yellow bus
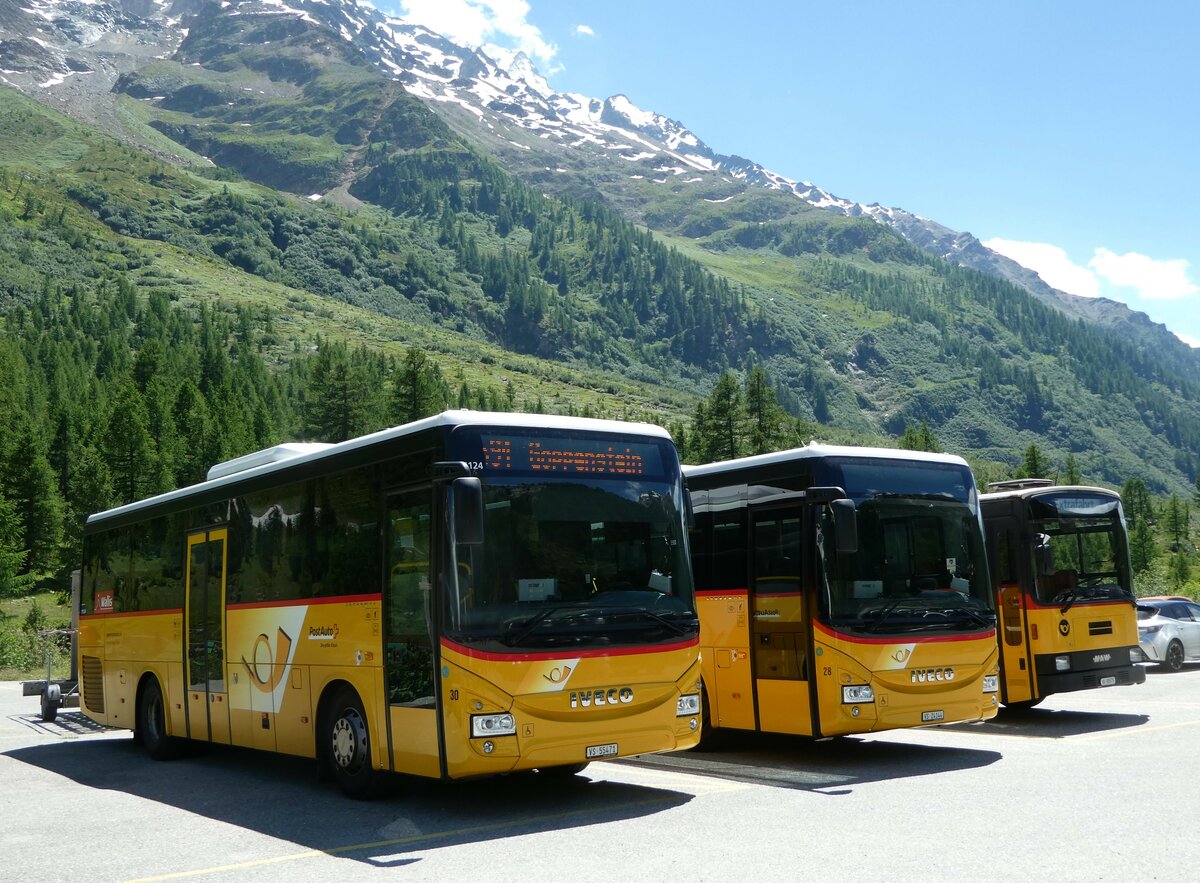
842,590
1064,587
466,595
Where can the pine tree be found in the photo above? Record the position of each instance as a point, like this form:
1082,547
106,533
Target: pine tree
919,439
720,431
30,484
338,398
1071,472
417,388
12,549
128,450
1034,464
766,418
1142,548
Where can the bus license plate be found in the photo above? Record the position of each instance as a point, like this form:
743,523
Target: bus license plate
932,716
1109,681
594,751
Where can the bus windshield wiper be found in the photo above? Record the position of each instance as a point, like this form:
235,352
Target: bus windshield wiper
675,627
1067,599
885,612
894,495
531,625
973,614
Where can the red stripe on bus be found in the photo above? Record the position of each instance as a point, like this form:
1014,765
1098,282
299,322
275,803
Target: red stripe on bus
906,638
490,656
303,602
164,612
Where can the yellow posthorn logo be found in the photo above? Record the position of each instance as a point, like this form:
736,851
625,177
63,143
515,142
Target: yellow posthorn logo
558,674
264,658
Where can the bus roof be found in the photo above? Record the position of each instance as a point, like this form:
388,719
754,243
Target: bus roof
1042,490
288,455
815,450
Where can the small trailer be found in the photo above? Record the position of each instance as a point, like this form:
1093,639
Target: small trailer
64,693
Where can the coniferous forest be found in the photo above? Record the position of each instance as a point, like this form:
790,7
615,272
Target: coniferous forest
176,299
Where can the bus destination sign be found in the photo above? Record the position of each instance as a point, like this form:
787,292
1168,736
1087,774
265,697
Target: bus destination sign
565,456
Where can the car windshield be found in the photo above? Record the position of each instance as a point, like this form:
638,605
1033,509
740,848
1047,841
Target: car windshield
572,563
1080,551
919,564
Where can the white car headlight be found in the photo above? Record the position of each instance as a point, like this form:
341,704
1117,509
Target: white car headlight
493,725
991,683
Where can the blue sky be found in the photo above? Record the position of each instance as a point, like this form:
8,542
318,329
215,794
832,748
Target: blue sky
1064,134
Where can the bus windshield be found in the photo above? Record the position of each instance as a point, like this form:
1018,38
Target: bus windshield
920,563
1079,551
584,547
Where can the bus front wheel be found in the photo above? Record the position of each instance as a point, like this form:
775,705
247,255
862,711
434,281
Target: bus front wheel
346,741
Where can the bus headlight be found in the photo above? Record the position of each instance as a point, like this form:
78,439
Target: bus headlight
689,703
493,725
857,693
1135,655
991,683
1062,663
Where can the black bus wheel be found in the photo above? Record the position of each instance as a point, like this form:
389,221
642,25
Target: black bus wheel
152,724
346,741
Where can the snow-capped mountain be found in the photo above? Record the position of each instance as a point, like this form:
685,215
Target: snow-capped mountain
71,52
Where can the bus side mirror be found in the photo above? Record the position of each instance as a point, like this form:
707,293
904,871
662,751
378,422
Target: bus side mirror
845,525
689,509
466,500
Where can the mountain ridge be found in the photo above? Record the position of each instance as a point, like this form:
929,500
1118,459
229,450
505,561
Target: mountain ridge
857,327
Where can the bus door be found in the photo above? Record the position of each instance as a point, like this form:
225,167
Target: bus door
408,599
779,630
1016,664
208,705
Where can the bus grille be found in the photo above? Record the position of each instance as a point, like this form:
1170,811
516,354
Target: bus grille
1123,678
93,684
1103,627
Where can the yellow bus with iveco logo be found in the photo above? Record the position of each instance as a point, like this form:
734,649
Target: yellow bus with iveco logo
466,595
842,590
1064,587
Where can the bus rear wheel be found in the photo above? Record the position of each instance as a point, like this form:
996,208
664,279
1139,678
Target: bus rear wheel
346,743
152,724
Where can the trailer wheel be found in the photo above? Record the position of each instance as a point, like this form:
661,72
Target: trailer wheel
49,705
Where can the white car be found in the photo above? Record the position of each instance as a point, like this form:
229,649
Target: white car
1169,631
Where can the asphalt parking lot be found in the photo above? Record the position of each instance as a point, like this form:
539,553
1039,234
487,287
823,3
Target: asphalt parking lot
1090,786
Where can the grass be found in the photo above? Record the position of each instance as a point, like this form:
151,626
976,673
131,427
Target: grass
19,660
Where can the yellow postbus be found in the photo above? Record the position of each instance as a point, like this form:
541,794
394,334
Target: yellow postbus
1064,588
842,590
469,594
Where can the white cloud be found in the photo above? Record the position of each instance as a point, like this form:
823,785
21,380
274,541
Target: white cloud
483,22
1051,263
1193,342
1153,279
584,31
